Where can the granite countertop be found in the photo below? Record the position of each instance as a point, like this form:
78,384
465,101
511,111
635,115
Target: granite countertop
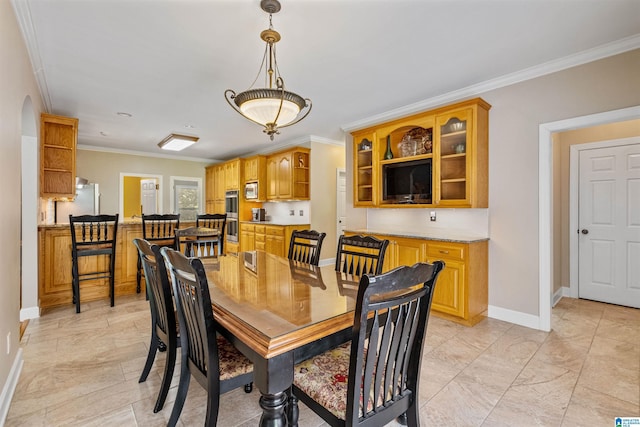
442,235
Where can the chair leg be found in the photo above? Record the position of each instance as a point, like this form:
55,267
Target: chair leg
169,366
412,416
248,388
183,388
112,280
213,405
138,274
75,284
153,346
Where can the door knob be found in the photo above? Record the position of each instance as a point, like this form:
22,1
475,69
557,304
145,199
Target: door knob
584,231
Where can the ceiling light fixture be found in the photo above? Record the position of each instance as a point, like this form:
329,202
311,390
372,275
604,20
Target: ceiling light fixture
175,142
271,107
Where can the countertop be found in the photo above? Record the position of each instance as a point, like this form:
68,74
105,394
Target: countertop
442,235
126,222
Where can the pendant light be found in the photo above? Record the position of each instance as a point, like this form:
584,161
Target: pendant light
272,107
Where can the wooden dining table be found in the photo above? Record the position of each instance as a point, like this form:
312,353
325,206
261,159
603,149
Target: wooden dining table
279,312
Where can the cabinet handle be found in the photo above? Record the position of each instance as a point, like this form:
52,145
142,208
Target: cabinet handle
443,252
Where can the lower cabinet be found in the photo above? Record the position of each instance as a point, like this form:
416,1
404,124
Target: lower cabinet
461,292
270,238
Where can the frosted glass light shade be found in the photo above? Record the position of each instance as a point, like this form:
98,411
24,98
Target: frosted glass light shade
177,142
265,111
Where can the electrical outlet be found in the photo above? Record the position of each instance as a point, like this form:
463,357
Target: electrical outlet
291,212
301,212
8,342
432,216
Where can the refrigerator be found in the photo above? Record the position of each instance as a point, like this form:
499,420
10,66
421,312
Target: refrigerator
86,202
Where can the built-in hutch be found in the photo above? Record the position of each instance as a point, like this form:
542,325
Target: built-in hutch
58,139
437,158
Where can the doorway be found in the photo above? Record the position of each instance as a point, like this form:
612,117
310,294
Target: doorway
545,191
605,210
131,198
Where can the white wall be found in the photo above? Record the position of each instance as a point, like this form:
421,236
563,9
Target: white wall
16,84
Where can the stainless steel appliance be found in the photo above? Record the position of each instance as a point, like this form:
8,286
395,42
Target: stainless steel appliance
86,202
251,191
258,214
231,209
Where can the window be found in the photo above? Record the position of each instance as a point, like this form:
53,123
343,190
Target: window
186,197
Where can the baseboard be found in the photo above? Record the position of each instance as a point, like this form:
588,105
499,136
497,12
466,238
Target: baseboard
511,316
29,313
10,386
557,295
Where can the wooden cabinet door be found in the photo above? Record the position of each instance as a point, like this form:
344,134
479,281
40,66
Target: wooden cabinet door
449,295
232,175
364,171
410,251
285,171
247,237
272,178
251,169
220,184
454,149
275,240
128,254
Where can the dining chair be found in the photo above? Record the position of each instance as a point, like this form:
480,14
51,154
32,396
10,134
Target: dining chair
359,255
207,356
199,242
218,221
93,235
374,378
164,329
305,246
160,230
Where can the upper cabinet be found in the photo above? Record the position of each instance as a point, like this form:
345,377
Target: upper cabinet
58,140
437,158
232,174
255,172
288,174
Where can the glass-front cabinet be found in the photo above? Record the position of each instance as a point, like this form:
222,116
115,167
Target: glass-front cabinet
437,158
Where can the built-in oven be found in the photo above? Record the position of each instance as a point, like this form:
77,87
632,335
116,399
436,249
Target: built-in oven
231,209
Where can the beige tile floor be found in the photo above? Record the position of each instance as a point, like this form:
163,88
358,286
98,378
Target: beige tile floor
82,370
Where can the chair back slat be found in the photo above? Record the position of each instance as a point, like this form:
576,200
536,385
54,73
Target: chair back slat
391,317
217,221
359,255
305,246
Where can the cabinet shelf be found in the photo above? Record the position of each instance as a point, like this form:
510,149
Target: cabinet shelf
453,134
406,159
452,156
445,181
365,168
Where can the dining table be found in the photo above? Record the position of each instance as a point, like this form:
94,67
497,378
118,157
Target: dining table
278,312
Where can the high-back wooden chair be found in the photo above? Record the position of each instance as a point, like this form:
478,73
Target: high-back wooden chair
374,378
305,246
359,255
212,360
158,229
218,221
93,236
164,329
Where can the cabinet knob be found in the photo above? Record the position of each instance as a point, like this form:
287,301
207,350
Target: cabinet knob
443,252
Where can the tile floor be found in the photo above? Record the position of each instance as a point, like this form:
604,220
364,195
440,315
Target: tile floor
82,370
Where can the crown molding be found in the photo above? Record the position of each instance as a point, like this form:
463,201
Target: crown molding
23,16
145,154
580,58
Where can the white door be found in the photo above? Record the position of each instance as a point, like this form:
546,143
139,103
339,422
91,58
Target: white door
149,196
609,221
341,200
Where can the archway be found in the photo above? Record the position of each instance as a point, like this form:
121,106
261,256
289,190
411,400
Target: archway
29,308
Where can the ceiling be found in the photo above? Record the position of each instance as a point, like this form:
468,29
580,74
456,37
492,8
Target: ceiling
168,62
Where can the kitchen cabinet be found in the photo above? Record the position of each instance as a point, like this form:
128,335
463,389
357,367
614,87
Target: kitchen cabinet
58,140
288,175
232,173
437,158
461,293
215,188
271,238
255,171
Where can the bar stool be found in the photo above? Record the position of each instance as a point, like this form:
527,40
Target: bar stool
93,235
158,229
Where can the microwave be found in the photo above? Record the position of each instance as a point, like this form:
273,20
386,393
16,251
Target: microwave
251,191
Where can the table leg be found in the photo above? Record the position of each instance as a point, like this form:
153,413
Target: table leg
273,410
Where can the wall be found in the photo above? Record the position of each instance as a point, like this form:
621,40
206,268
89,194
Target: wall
516,114
105,168
17,84
562,142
